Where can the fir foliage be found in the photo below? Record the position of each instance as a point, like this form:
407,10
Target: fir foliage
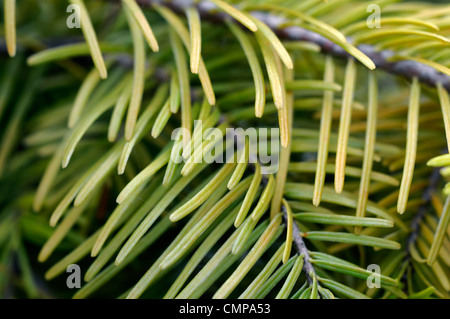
87,177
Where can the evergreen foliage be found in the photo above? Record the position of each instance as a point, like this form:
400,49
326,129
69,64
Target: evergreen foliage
87,176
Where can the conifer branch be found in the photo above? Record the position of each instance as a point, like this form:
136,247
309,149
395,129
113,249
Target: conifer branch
434,179
298,239
407,69
301,248
224,234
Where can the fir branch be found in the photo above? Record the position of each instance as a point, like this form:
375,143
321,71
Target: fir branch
433,181
91,172
297,237
407,69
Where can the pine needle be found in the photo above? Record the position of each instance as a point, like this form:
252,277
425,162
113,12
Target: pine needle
217,265
315,286
289,232
249,260
273,40
174,92
264,200
138,76
111,270
205,112
285,114
142,126
73,191
13,127
196,38
155,270
240,167
325,128
67,51
214,136
98,177
441,233
183,33
119,111
292,278
411,146
285,119
339,237
144,175
195,231
204,123
154,214
235,13
305,192
113,221
73,257
439,67
275,80
10,26
366,37
445,106
199,254
313,85
258,77
60,232
310,167
369,147
202,195
172,165
357,54
334,219
249,196
274,279
264,275
323,28
161,120
142,21
439,161
330,262
342,289
83,94
183,83
387,21
49,176
245,232
329,32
